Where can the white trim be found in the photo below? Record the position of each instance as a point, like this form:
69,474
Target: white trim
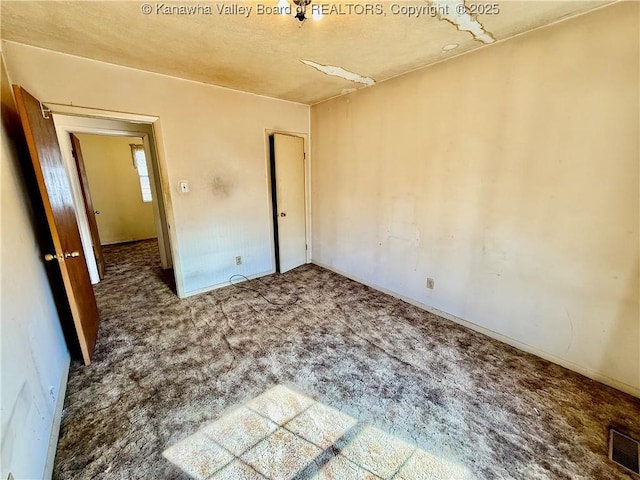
161,183
587,372
70,119
159,200
101,126
84,112
64,141
307,190
224,284
57,420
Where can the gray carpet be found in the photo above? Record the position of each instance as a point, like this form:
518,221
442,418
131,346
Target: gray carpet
164,367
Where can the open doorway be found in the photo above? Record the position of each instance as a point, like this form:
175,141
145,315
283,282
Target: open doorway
122,179
116,189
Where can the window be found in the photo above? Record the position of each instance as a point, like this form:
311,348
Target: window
140,163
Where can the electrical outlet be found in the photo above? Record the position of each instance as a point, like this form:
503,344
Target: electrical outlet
430,283
238,260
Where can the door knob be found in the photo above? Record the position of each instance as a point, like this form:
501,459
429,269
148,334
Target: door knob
96,212
72,254
49,257
283,214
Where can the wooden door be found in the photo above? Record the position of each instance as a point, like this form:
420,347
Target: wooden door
88,204
290,201
54,188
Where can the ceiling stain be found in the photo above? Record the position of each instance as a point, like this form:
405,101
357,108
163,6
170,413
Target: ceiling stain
229,50
457,13
340,72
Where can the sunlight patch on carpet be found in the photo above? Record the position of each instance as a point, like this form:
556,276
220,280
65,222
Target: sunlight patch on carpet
285,434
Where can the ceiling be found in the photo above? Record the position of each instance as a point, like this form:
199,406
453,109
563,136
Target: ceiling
263,54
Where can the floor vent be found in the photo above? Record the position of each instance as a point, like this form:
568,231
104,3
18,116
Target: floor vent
624,450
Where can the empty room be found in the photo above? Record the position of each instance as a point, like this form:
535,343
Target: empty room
296,239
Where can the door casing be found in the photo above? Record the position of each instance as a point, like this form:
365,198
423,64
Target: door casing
82,120
307,191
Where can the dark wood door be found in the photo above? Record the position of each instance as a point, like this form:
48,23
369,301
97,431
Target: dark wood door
88,204
54,188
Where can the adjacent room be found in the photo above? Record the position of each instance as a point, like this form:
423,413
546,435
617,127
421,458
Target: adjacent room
302,240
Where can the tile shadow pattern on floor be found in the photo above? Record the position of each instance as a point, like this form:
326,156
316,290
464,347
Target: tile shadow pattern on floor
285,434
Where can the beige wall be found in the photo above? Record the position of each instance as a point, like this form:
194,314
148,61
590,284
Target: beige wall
35,360
210,136
115,189
510,176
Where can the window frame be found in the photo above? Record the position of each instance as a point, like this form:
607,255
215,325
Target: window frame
146,191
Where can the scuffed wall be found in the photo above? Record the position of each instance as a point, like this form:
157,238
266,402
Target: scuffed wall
510,177
207,135
35,360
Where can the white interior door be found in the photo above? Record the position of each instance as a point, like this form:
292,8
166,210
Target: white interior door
290,213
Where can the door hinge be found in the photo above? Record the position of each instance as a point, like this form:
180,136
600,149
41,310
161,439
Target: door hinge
46,112
306,247
304,156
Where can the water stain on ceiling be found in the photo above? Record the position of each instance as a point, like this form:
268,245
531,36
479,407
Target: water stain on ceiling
340,72
260,51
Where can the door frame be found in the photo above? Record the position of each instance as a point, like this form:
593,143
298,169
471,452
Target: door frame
69,119
307,191
76,150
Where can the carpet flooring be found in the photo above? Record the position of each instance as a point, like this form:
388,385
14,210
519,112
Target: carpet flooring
165,367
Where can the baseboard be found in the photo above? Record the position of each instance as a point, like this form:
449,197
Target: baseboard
191,293
592,374
57,420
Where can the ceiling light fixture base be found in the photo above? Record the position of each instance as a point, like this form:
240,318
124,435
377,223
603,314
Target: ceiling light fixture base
301,10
